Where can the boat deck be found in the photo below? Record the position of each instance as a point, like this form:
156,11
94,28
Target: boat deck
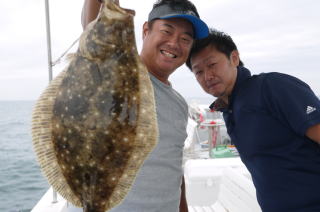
212,185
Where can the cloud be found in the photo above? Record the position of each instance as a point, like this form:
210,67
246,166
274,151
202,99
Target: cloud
271,35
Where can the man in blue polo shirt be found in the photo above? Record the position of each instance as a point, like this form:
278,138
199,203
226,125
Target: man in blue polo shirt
272,118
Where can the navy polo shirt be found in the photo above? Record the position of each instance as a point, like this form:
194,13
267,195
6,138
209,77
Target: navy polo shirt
267,118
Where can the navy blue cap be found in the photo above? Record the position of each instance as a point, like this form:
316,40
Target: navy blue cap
164,11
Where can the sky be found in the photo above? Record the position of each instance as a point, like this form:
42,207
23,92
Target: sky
271,35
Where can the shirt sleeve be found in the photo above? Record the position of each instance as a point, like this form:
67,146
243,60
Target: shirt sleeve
291,101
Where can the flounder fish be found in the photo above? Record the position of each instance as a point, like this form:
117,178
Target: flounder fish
95,124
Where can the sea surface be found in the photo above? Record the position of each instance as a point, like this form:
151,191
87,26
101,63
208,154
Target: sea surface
21,182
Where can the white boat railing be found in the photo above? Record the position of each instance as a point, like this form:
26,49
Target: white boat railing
54,197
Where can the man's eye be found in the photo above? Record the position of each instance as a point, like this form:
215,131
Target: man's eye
198,73
186,40
211,65
165,31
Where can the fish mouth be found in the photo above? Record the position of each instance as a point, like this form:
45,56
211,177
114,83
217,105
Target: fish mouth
168,54
129,11
116,7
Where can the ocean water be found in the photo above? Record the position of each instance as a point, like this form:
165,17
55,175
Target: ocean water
21,182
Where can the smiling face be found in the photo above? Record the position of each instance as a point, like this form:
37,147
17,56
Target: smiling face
166,46
215,72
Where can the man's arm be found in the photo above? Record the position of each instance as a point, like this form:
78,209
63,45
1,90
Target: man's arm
183,200
90,11
314,133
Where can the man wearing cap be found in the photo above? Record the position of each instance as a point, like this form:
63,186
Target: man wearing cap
168,36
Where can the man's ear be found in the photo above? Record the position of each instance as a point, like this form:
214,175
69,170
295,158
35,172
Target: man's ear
145,30
235,58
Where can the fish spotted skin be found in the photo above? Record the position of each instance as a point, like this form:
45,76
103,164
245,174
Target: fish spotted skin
103,121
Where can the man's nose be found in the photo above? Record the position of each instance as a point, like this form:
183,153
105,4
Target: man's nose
174,41
208,74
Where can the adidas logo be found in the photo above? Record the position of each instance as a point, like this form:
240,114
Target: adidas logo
310,109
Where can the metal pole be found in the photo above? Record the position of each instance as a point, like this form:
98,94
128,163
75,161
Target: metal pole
55,198
48,40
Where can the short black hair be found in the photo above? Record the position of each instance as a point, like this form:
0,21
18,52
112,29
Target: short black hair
185,4
220,40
